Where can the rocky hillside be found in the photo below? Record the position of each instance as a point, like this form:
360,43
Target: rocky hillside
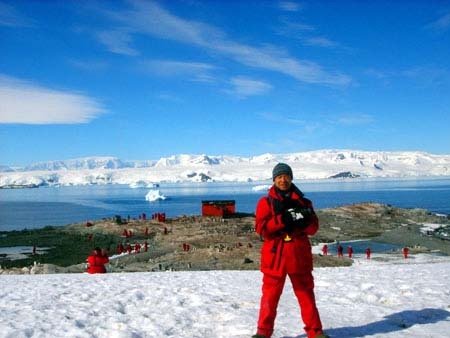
231,244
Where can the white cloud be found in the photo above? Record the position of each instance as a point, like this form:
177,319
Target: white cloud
269,116
117,42
427,76
150,18
279,118
11,18
198,71
320,42
378,74
440,25
89,65
290,6
167,96
354,119
293,29
244,86
26,103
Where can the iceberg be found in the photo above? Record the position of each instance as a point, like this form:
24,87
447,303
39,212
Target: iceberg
143,184
154,195
262,187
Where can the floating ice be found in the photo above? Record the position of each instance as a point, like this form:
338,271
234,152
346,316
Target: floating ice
263,187
143,184
154,195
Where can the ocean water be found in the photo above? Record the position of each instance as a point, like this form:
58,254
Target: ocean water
359,247
35,208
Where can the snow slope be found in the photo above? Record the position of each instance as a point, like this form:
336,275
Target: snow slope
319,164
400,298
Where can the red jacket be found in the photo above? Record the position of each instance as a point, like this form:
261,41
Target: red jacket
277,255
97,264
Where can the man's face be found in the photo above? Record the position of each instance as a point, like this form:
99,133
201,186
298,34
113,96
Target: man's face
283,182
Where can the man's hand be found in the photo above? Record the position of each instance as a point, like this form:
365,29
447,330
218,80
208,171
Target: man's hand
296,217
296,214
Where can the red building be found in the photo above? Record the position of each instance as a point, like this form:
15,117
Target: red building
220,208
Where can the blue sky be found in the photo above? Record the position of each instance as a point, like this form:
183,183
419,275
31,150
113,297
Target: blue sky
148,79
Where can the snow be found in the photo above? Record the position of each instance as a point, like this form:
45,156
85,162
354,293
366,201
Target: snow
320,164
261,187
427,227
154,195
142,184
394,298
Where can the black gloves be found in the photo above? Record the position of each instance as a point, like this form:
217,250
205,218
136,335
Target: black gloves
296,217
292,215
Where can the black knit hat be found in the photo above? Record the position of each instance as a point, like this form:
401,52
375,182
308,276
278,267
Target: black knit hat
280,169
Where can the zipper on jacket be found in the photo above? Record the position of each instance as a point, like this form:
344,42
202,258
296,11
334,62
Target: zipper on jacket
281,254
274,251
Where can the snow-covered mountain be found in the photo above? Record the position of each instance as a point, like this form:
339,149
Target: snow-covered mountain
320,164
86,163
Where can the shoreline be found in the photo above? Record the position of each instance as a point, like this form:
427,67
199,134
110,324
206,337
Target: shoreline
242,181
218,244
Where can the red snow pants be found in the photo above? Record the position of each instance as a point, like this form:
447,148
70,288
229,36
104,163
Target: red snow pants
303,285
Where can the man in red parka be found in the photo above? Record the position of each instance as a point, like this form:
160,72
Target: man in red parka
285,219
96,261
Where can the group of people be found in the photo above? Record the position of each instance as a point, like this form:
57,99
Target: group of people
98,258
368,251
340,251
159,216
136,248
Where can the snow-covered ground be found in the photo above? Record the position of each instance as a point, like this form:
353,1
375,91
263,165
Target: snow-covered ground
398,298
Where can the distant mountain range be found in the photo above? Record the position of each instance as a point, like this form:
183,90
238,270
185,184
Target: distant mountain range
320,164
80,163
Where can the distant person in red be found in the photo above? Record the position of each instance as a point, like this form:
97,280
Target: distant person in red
325,250
96,261
368,253
137,248
350,251
129,248
405,252
145,246
340,251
